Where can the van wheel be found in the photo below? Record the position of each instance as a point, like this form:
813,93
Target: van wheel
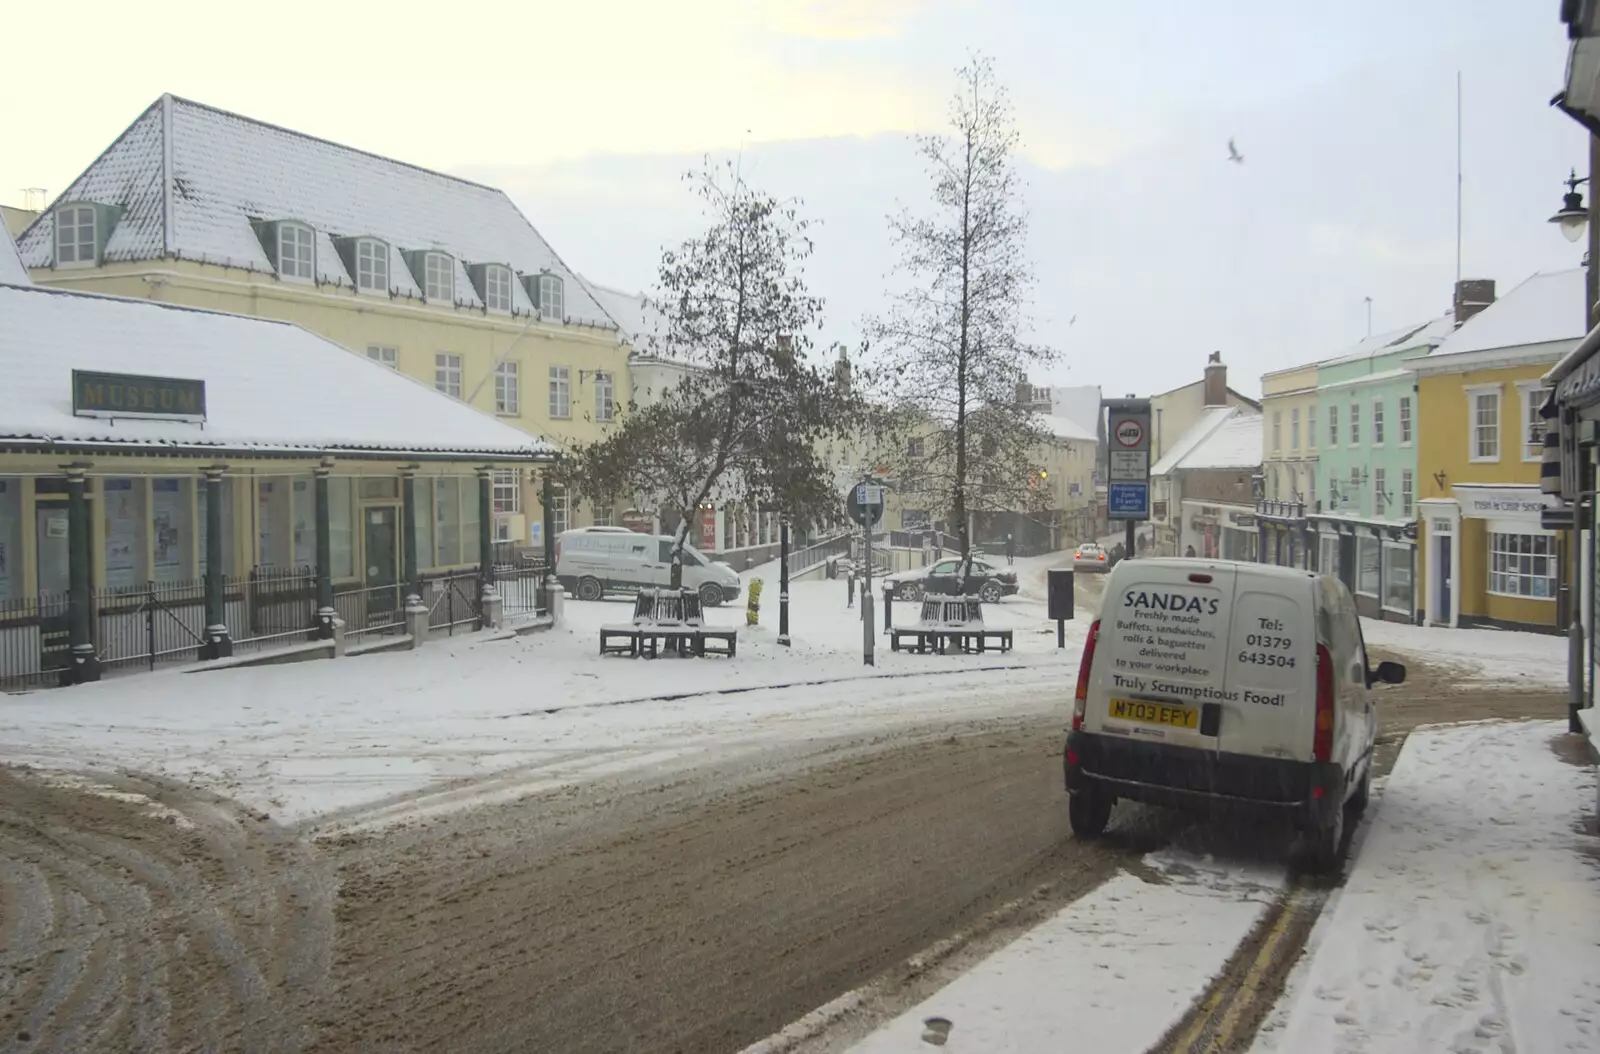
710,596
1324,845
1363,794
1089,813
590,589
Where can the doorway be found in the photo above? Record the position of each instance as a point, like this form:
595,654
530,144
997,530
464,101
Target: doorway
1442,548
381,547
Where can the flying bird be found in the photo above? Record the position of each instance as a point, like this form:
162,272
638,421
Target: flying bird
1233,154
1073,319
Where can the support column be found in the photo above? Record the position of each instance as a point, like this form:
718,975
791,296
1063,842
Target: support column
85,663
552,584
325,611
416,610
489,595
218,644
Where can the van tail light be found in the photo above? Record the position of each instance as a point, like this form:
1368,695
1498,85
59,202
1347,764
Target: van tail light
1322,743
1081,698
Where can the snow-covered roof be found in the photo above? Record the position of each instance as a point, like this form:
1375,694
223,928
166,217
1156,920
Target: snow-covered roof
1373,345
1237,444
190,179
1074,413
11,269
632,312
1209,421
271,387
1546,308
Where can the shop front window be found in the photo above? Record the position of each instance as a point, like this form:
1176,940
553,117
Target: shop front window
1522,565
305,522
10,539
1329,552
1369,554
341,528
447,520
172,532
126,535
1397,564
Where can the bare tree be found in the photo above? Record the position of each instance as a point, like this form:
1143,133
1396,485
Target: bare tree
744,425
950,349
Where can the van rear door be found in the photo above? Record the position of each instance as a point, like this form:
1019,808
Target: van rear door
1270,710
1161,660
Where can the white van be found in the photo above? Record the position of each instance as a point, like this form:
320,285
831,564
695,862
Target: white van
592,562
1224,686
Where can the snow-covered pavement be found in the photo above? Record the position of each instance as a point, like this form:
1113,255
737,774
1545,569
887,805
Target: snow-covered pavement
1470,920
541,711
1484,656
1111,972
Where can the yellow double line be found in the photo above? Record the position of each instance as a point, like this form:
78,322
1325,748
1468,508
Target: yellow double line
1245,994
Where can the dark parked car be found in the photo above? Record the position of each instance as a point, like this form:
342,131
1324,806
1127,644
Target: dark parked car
988,582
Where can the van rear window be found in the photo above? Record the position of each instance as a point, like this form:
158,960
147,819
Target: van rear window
1166,632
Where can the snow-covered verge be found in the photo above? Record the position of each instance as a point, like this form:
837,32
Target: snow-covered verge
1112,972
523,715
1504,657
1470,920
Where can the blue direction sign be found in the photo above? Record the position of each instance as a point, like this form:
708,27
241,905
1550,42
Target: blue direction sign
1129,500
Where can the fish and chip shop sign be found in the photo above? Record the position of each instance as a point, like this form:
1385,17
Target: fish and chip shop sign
115,395
1503,503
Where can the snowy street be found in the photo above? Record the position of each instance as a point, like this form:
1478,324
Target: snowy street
438,839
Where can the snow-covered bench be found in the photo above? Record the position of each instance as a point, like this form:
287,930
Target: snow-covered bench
673,616
950,619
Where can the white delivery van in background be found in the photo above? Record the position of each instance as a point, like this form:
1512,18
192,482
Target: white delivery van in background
593,562
1225,687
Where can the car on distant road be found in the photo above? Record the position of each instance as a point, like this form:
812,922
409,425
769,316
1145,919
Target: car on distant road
1091,556
987,582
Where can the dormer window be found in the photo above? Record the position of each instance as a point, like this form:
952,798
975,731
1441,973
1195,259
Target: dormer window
439,277
75,236
550,305
297,252
497,287
372,265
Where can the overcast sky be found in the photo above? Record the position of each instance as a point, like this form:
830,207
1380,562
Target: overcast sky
588,114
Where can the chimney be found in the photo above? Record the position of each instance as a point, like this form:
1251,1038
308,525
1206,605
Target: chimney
1216,380
1472,296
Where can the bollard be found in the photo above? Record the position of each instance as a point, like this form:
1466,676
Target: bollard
850,588
888,608
752,604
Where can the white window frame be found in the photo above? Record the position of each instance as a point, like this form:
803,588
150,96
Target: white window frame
295,236
560,511
506,492
437,268
1353,488
372,266
1377,422
1408,493
75,213
552,297
1356,577
1516,575
384,354
1311,428
1380,477
507,389
605,397
1533,395
1277,430
604,516
1473,393
447,374
497,281
560,393
1294,428
1353,425
1333,425
1333,492
1406,424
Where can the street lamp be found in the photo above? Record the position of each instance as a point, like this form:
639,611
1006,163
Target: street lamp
1573,216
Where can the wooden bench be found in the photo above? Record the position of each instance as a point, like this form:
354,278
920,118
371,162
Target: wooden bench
946,620
673,617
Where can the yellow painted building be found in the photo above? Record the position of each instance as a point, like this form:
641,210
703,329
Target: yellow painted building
1485,558
439,278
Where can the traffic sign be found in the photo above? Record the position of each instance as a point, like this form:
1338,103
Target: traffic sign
1129,432
1128,501
865,502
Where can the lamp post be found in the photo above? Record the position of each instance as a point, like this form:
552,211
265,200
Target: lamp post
1573,215
783,579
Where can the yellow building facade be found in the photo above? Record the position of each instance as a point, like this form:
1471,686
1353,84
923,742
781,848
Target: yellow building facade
441,279
1485,557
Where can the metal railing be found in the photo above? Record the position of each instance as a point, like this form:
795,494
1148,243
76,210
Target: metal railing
821,552
35,650
272,607
521,589
157,622
374,610
454,601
